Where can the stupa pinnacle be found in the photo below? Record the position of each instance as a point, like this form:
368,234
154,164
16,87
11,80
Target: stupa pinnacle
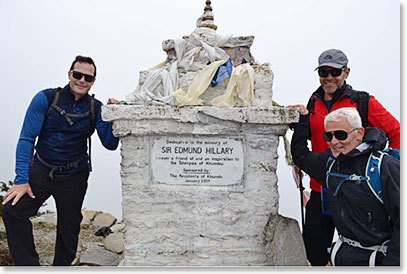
206,20
186,77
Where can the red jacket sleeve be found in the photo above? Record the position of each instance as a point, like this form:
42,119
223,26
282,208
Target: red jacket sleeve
379,117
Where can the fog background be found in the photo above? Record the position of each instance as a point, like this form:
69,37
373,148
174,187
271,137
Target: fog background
40,39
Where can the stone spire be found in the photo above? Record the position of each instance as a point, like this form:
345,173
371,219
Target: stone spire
206,20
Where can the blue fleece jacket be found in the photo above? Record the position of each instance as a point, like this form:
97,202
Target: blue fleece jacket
59,143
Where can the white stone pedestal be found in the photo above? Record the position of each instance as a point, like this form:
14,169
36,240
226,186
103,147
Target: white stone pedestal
200,186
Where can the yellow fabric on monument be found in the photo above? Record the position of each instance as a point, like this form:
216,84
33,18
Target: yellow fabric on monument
241,84
199,84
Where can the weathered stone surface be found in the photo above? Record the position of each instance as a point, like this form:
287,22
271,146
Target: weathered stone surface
115,242
88,216
254,115
48,219
185,79
2,227
196,224
284,243
239,41
97,255
213,92
263,86
104,219
118,227
166,120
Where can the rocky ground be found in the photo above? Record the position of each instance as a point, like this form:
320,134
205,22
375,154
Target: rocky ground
104,250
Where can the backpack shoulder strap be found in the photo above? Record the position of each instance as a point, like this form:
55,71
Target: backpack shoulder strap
393,152
362,101
344,177
311,104
55,106
92,111
53,101
329,165
373,173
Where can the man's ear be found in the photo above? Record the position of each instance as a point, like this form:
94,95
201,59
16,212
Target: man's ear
347,71
361,133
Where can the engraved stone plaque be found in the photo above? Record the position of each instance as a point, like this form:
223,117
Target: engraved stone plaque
203,161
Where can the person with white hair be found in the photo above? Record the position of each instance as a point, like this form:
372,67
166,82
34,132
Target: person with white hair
334,93
367,220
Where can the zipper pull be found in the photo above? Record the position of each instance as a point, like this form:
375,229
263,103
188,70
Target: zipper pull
369,217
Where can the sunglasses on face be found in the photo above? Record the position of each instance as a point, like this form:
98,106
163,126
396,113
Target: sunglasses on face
78,76
340,135
334,72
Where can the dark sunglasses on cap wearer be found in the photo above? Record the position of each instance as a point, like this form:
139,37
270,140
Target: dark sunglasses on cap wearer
340,135
78,76
334,72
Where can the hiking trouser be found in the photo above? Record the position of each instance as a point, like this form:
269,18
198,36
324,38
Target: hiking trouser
318,231
68,192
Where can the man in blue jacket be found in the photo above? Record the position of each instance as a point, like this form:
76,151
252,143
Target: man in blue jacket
63,120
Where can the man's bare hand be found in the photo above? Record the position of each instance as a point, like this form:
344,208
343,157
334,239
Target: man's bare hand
303,109
112,101
16,192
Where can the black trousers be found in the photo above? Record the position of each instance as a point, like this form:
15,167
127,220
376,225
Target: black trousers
353,256
318,232
68,192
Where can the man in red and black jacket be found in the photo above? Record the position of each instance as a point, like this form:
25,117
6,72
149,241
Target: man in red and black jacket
335,93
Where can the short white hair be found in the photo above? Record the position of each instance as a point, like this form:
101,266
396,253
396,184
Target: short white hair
350,114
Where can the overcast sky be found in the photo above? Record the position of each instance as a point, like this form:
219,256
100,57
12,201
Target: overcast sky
39,40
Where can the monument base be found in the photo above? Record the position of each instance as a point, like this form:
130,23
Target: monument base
200,186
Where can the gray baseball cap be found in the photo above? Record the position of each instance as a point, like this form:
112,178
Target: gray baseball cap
332,58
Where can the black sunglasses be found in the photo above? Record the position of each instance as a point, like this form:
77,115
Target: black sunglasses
78,76
340,135
334,72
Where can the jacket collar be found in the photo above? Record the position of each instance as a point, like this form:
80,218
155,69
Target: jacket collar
345,90
69,93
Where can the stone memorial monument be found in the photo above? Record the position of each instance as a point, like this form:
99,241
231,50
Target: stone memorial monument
199,156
